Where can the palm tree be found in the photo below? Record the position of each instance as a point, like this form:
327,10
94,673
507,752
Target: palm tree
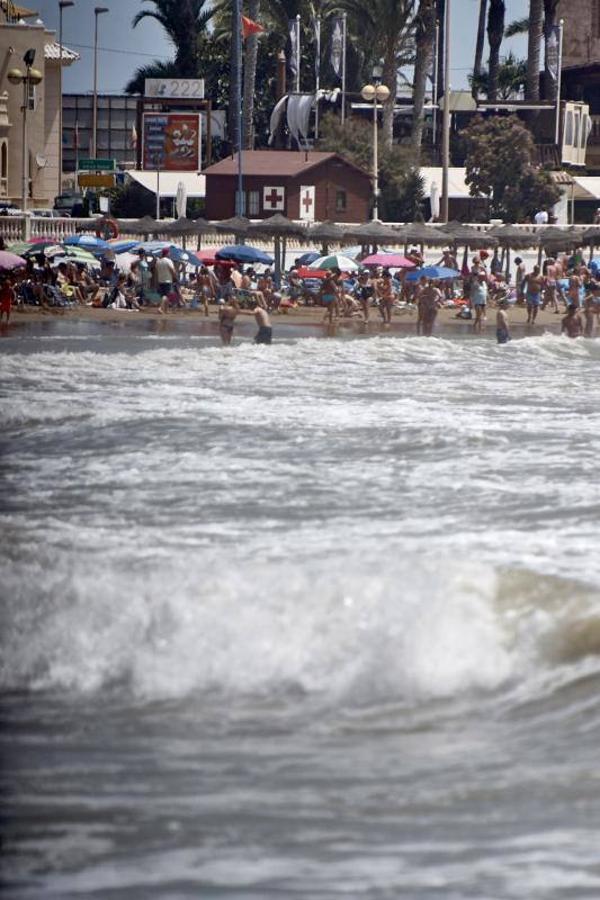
495,31
479,47
511,78
184,21
424,41
534,43
386,26
250,60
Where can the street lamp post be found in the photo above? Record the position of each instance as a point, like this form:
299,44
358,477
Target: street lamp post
31,76
98,10
63,4
375,93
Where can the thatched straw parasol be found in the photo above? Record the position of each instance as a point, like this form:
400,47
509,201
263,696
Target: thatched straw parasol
425,235
327,233
145,226
374,232
237,225
277,226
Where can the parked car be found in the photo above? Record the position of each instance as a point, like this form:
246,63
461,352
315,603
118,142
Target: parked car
69,204
45,213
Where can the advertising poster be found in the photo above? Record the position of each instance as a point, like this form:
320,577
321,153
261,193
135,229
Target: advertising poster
172,142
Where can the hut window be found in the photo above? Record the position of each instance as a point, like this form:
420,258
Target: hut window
340,201
253,204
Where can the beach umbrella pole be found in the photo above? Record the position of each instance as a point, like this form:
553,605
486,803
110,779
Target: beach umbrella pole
277,255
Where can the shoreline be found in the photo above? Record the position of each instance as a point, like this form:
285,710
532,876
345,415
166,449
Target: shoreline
403,323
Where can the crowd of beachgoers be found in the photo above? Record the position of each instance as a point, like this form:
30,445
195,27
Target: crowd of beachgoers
160,276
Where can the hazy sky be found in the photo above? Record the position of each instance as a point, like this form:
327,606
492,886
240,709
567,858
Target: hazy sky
122,49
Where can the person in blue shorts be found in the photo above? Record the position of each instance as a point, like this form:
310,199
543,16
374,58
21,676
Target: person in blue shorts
533,294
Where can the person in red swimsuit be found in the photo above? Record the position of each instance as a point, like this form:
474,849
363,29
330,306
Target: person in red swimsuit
7,296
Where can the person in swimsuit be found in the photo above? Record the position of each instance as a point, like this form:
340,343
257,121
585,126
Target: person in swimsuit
421,285
387,297
478,297
589,309
571,323
430,299
533,294
227,316
329,294
205,288
575,287
520,279
502,330
551,273
365,292
7,297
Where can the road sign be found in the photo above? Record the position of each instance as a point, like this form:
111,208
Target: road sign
97,181
97,165
175,88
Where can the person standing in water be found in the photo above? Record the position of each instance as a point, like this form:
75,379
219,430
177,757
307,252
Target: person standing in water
264,335
430,299
227,317
502,329
571,323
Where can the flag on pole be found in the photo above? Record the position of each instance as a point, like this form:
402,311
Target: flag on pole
249,27
316,23
293,62
134,137
337,44
552,50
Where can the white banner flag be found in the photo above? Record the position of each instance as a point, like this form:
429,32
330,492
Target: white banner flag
307,203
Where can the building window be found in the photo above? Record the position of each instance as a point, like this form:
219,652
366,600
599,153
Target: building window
237,196
340,201
30,95
253,204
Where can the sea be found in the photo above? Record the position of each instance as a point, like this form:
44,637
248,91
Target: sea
316,620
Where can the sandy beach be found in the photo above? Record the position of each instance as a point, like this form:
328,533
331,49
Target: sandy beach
307,317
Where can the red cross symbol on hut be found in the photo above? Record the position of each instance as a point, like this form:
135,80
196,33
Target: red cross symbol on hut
273,198
307,202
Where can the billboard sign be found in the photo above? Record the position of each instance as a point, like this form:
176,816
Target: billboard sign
175,88
172,142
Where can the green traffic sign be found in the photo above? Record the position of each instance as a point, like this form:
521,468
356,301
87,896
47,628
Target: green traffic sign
97,165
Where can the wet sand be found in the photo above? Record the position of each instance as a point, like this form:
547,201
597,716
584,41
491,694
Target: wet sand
309,318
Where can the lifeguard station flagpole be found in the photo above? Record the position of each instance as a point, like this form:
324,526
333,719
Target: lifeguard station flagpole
236,35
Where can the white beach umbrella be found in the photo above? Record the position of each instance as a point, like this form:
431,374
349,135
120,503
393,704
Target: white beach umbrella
335,261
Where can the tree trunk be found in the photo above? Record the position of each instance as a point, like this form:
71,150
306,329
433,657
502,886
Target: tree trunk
479,46
250,57
390,77
425,39
534,41
441,8
550,85
495,34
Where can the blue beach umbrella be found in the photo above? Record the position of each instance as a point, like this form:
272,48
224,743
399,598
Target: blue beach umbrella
176,254
87,241
436,273
124,246
244,254
307,258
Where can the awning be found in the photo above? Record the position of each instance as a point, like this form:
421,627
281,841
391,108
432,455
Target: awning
590,184
195,184
457,188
